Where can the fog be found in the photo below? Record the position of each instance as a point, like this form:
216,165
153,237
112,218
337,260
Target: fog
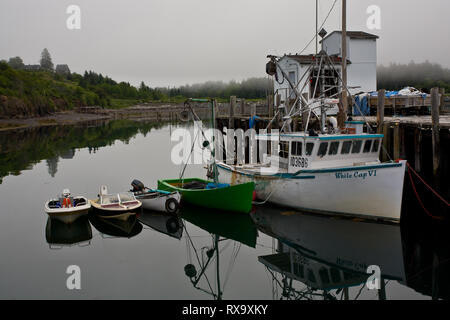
176,42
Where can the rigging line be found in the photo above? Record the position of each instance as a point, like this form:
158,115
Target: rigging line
320,28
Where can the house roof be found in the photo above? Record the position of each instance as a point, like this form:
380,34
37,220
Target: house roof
355,35
308,59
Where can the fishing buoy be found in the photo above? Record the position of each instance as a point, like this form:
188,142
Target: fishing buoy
254,195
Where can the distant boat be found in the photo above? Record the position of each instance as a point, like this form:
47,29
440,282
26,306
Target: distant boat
115,206
156,200
67,208
203,193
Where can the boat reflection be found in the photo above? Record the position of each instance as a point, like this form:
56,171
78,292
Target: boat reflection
228,230
116,228
322,257
164,223
59,234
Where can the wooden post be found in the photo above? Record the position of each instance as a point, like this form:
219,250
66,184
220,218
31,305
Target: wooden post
380,110
386,141
270,106
418,148
396,141
231,112
242,107
442,103
435,101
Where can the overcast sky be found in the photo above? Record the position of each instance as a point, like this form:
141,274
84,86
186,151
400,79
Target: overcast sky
174,42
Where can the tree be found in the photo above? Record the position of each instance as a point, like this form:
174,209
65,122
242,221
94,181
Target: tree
16,63
46,60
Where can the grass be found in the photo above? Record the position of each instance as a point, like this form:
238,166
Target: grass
123,103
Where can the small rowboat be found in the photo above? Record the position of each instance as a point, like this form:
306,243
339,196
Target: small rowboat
203,193
67,208
156,200
115,206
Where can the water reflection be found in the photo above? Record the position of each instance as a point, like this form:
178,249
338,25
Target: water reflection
322,257
170,225
59,234
21,149
227,231
115,228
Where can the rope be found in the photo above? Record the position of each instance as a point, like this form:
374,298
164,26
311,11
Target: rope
423,181
417,194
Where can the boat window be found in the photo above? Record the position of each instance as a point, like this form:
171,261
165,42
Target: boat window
323,149
296,148
311,276
309,148
346,146
367,146
284,149
109,199
357,144
323,273
334,147
335,275
375,146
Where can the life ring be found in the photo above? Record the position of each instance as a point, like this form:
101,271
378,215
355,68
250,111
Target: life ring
172,205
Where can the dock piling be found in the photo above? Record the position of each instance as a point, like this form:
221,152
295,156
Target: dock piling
435,104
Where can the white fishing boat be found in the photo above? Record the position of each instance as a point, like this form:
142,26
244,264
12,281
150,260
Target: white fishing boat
328,170
115,206
67,208
156,200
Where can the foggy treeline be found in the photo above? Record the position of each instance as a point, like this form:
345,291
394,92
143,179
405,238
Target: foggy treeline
419,75
252,88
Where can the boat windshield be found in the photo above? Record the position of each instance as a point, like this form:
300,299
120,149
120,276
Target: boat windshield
125,197
110,199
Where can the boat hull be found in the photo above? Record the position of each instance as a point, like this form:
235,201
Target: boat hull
236,198
120,213
366,191
67,215
158,203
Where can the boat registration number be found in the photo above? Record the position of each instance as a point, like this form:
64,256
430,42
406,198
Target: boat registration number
299,162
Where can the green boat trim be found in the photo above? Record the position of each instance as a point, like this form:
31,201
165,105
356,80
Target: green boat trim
236,198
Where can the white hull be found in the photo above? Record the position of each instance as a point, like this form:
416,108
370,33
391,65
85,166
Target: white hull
373,191
158,203
68,215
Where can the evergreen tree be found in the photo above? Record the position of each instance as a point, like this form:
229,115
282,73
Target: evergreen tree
46,60
16,63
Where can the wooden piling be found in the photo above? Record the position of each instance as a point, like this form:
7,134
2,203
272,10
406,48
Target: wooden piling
231,112
270,106
435,103
386,141
418,149
242,107
442,103
380,110
396,141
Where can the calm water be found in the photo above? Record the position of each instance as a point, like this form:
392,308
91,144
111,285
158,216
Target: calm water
270,254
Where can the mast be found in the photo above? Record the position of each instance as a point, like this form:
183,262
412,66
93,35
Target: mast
317,25
344,63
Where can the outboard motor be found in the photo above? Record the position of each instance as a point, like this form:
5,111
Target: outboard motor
137,185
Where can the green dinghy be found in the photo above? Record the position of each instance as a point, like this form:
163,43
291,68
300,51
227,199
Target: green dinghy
206,194
210,194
